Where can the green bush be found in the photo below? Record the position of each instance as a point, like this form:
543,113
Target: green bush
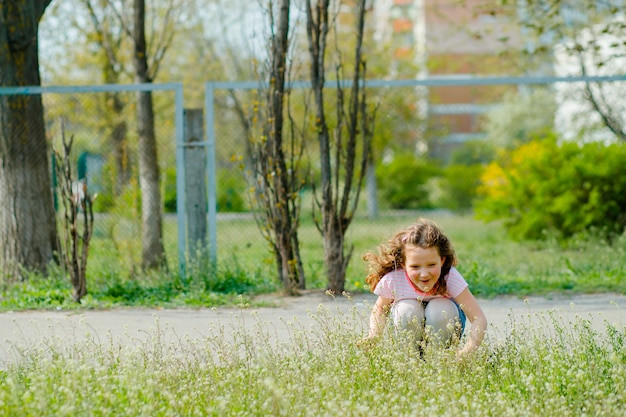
231,191
473,152
566,189
402,182
169,193
459,186
461,178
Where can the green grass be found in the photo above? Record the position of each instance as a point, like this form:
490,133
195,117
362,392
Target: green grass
200,288
569,370
318,371
488,258
492,263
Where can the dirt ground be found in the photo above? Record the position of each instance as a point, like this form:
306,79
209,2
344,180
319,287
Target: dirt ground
20,330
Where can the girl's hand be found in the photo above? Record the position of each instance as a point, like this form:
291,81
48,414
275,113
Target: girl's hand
367,342
465,353
476,316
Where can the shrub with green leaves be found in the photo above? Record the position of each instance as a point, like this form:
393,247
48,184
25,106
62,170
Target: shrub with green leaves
461,177
402,182
231,192
459,185
562,189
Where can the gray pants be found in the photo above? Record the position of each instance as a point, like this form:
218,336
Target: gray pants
439,319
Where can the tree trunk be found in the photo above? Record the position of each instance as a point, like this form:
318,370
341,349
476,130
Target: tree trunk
275,161
153,253
282,220
28,235
335,258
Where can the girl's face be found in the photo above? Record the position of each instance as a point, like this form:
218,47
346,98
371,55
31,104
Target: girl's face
423,266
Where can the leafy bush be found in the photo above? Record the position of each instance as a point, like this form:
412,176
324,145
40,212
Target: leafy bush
402,182
545,187
231,191
169,191
461,178
474,152
459,186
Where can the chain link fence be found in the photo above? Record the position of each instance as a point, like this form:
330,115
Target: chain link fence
101,120
432,118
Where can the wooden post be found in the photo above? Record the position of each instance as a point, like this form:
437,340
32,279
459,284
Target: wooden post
195,181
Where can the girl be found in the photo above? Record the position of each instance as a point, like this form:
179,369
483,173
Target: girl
416,282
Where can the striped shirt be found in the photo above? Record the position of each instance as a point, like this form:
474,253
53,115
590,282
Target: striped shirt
395,285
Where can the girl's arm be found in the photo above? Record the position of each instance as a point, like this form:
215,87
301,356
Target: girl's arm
378,317
476,316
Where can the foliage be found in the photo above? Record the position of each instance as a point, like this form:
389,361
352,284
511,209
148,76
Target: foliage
459,184
398,126
202,287
36,292
231,192
402,182
460,179
169,189
567,370
580,38
473,152
489,259
566,189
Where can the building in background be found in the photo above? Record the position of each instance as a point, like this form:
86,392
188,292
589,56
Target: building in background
447,38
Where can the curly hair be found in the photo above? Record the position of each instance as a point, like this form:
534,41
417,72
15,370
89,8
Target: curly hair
391,256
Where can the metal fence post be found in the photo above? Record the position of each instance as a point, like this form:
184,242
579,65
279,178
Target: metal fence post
180,178
211,170
195,175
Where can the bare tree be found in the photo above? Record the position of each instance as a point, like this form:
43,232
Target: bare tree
344,152
591,33
28,235
147,57
77,204
274,159
273,149
587,53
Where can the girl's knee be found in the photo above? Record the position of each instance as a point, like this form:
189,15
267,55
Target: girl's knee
408,308
440,312
408,313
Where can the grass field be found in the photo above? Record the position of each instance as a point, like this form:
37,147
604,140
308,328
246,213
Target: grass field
572,370
491,262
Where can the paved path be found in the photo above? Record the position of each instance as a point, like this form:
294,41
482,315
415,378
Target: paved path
21,330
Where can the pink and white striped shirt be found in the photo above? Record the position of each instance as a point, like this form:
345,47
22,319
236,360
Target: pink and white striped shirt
396,285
